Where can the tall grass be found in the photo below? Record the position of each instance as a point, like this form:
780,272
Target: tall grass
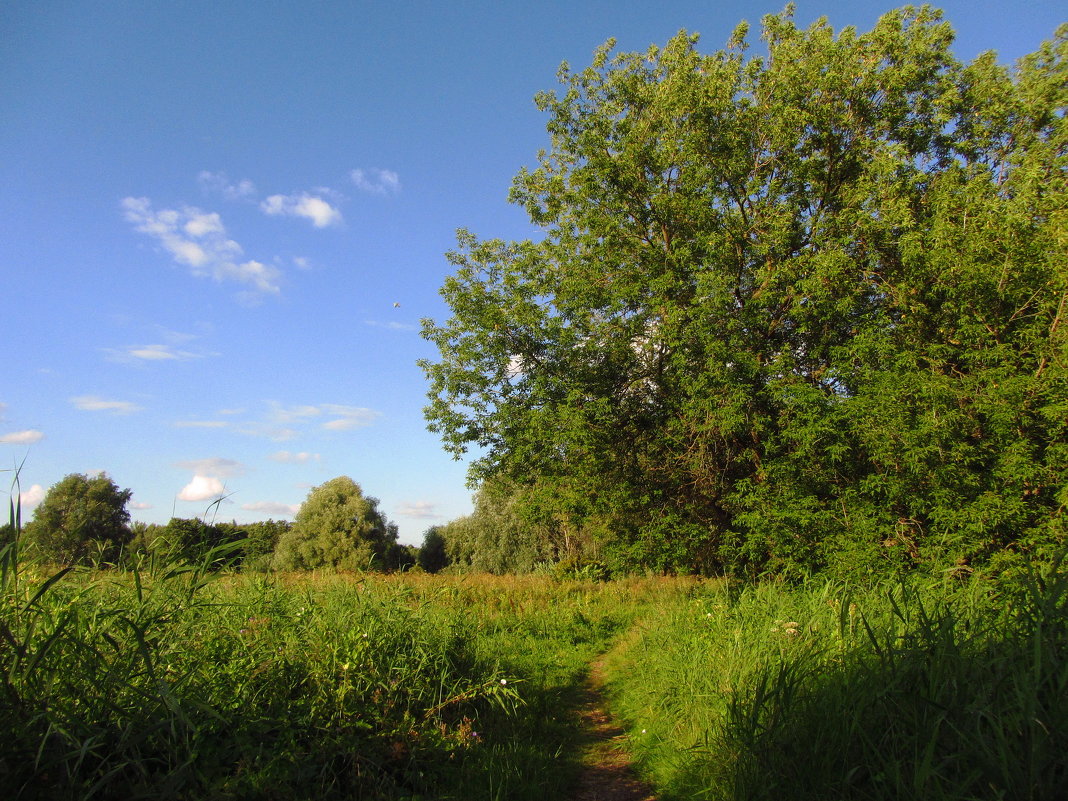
933,691
178,680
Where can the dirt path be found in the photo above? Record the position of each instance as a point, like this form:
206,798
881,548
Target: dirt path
607,773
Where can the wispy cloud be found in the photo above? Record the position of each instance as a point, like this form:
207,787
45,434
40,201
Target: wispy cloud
27,437
151,353
93,403
215,466
201,424
198,240
392,326
310,207
422,510
376,181
281,422
285,415
220,183
272,508
139,505
287,457
348,417
275,433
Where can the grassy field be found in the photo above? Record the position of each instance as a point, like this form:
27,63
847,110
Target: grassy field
178,682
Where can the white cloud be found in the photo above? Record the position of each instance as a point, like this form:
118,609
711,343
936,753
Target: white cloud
219,182
151,353
281,422
92,403
515,366
348,417
301,263
200,224
423,510
310,207
201,424
31,497
287,457
198,240
272,508
377,182
202,488
27,437
215,467
139,505
160,353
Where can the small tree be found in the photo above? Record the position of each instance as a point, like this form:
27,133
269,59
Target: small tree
80,520
337,527
432,557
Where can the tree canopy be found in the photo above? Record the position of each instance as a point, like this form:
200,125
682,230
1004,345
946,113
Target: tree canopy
338,527
795,311
82,519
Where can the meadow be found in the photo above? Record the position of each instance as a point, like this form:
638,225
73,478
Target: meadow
178,680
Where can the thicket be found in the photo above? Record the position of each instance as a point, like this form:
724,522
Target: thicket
191,539
794,312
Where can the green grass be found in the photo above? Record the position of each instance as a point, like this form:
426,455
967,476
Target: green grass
920,690
174,681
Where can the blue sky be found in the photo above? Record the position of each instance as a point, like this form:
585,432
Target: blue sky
210,212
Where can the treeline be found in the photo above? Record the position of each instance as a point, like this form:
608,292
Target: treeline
83,520
798,312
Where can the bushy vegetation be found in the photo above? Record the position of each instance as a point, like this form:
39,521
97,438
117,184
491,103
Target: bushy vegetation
84,521
511,531
191,539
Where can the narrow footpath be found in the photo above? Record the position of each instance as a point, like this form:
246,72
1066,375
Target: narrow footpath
607,773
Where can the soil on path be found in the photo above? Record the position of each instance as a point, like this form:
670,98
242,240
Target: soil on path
607,771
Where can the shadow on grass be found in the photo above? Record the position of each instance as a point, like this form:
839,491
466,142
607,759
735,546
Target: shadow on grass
931,707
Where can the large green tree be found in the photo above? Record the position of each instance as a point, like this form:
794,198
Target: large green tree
789,311
82,519
338,527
